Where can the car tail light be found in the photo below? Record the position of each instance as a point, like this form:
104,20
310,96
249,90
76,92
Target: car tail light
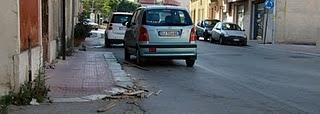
152,49
143,36
193,36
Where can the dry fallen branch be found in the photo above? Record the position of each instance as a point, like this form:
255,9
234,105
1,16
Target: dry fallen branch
158,92
134,93
151,93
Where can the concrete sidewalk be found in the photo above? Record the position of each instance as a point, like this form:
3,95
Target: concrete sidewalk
300,49
86,76
83,74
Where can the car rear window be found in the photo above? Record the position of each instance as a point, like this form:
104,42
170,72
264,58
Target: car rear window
228,26
210,23
120,18
166,17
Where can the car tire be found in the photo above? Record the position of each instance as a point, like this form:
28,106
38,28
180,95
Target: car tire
221,41
244,44
139,59
107,43
190,62
126,54
211,40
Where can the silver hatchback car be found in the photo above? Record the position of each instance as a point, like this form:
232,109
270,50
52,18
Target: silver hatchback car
161,32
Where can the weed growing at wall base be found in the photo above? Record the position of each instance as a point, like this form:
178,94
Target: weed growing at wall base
36,89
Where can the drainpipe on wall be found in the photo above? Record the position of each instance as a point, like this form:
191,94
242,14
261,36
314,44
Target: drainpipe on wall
29,60
63,30
72,25
274,22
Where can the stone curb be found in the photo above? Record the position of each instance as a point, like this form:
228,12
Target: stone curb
119,75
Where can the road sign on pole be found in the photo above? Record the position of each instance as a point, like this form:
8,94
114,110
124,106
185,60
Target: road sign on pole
269,4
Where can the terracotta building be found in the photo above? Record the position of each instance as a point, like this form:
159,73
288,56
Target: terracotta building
30,37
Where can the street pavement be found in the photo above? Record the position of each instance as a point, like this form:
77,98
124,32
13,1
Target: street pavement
253,79
230,79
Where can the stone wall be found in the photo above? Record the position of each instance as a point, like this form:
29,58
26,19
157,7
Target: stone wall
297,21
9,42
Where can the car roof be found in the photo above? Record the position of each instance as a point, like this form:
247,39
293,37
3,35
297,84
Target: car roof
163,7
228,23
122,13
211,20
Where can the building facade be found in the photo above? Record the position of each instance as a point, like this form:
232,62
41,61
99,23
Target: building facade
30,38
162,2
290,21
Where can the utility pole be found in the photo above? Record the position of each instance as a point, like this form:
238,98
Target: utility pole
63,30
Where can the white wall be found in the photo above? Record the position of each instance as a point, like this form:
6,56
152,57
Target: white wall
297,21
53,50
54,23
36,55
8,43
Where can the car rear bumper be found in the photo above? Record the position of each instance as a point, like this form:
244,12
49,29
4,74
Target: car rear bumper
169,51
115,36
235,39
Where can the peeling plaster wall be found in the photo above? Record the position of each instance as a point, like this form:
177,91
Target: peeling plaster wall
54,30
36,55
36,58
9,35
53,50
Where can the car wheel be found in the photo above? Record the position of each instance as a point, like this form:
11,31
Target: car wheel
221,41
107,43
244,43
126,54
190,62
139,59
205,38
211,40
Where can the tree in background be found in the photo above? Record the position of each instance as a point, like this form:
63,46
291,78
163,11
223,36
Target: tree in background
105,7
127,6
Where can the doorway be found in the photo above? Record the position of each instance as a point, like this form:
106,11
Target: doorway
45,30
259,18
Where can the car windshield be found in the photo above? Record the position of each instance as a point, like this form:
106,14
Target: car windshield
229,26
210,23
167,17
120,18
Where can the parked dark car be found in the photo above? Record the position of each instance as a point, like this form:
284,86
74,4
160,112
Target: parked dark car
204,28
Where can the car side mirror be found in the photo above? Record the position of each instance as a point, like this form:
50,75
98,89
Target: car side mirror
243,30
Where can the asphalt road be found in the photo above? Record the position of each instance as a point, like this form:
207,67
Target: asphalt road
232,80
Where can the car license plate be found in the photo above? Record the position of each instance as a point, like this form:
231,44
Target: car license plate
169,33
236,40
